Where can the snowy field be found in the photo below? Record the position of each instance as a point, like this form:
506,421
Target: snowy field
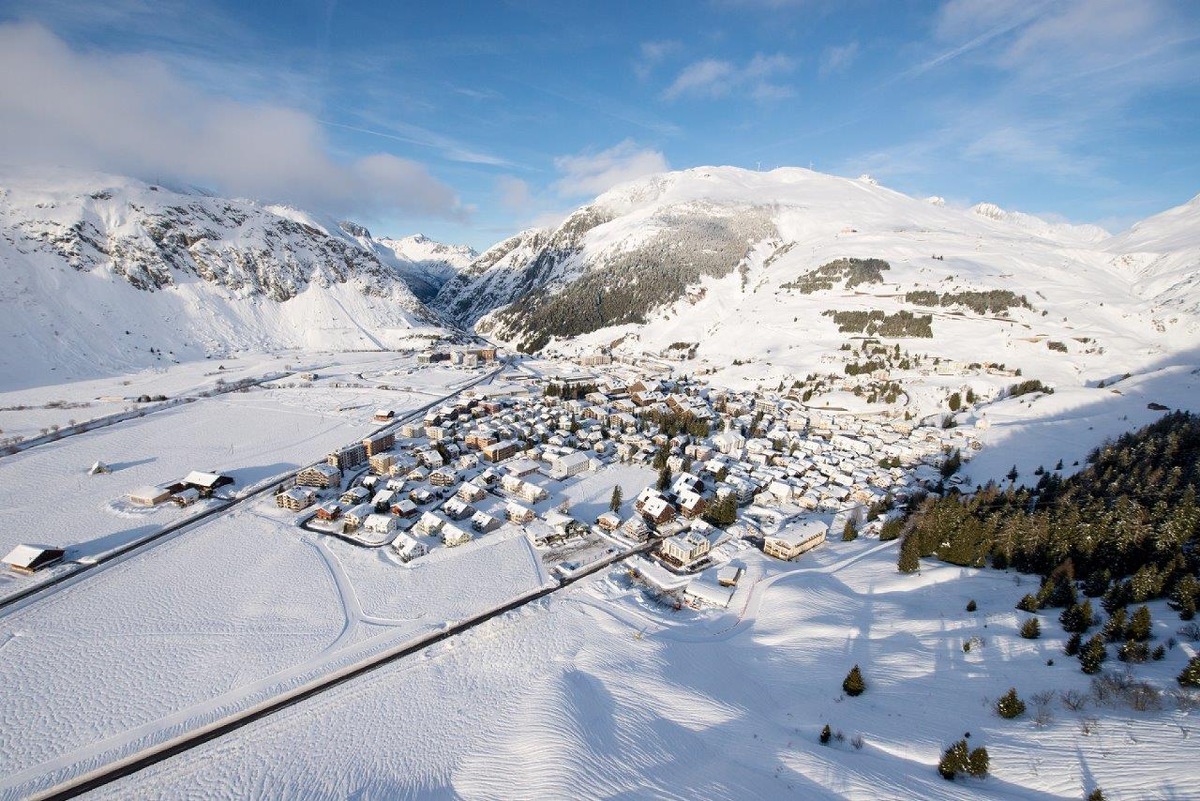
214,620
252,436
600,691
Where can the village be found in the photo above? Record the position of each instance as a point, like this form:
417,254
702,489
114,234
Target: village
587,464
596,461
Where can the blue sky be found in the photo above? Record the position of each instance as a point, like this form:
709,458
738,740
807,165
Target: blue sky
470,121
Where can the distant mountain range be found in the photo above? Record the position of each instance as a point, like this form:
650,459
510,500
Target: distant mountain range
102,274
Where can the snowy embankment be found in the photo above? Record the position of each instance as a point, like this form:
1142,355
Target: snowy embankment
596,692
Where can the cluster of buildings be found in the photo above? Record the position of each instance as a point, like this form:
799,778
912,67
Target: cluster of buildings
482,462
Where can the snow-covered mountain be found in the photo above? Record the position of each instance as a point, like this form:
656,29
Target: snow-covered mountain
724,264
99,273
425,264
1162,254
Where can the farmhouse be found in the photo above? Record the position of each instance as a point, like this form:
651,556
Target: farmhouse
148,496
29,559
791,542
204,483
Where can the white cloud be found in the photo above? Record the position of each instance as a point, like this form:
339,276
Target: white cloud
514,194
594,173
717,78
130,114
652,54
838,59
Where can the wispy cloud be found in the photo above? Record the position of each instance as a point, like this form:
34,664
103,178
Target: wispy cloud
652,54
133,115
447,147
716,78
838,59
591,173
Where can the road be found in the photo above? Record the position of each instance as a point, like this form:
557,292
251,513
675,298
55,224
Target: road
191,740
44,588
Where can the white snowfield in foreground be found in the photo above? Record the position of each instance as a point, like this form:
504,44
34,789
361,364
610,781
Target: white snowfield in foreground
597,692
210,623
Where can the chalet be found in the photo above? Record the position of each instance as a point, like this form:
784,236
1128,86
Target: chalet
443,477
795,540
609,521
319,475
384,415
470,492
330,510
457,510
430,523
149,496
405,509
409,548
453,536
296,499
354,517
684,549
379,523
421,496
395,484
29,559
382,499
354,496
517,513
349,456
204,483
658,511
483,522
691,504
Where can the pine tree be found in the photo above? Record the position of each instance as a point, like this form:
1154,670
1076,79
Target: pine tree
1190,677
978,762
849,531
1096,795
1031,629
1133,651
1029,603
971,605
1010,705
1092,655
853,684
910,549
1138,629
826,735
954,760
1114,629
1073,644
1077,618
664,478
614,503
